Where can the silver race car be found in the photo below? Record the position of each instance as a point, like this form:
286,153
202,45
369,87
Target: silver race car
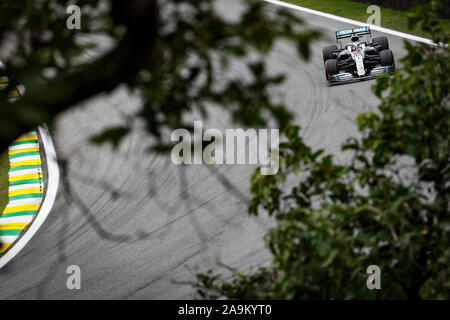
361,59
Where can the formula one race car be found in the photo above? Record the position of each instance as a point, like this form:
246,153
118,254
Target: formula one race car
361,59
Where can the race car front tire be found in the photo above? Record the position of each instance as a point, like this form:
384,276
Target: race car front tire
331,68
328,50
382,41
387,58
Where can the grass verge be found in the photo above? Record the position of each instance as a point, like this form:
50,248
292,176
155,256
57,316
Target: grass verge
390,18
4,166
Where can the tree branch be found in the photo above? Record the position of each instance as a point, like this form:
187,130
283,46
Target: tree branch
135,51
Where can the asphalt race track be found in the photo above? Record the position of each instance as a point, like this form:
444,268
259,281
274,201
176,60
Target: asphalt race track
140,227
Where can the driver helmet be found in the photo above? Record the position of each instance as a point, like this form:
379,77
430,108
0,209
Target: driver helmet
355,38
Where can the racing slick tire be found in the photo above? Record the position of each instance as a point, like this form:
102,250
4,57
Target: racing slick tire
387,58
331,68
327,51
383,42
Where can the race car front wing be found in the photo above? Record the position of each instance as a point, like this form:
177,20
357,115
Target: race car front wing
348,77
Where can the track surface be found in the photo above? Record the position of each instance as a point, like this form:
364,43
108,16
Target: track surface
143,226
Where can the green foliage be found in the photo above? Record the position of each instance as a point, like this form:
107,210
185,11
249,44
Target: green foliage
389,206
175,54
4,166
390,18
113,135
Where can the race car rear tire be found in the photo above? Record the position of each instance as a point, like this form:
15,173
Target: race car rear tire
331,68
387,58
328,50
383,42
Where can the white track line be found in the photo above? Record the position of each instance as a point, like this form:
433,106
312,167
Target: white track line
25,186
24,146
25,158
350,21
19,219
8,239
47,204
23,172
20,202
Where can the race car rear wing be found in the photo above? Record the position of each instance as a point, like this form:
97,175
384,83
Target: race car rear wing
360,31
